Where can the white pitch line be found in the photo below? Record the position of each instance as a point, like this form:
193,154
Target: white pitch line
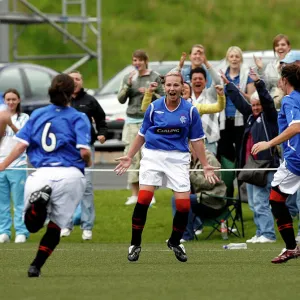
144,250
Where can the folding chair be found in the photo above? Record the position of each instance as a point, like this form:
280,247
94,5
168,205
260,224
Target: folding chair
231,213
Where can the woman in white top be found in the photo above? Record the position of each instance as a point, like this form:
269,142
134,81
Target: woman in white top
270,72
12,181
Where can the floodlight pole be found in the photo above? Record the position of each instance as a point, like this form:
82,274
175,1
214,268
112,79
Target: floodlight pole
99,45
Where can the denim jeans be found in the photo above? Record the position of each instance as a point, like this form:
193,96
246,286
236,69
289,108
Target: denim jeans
87,202
193,224
258,200
12,185
77,215
293,204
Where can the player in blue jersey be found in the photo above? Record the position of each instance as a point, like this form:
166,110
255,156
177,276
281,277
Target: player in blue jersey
169,123
287,178
57,139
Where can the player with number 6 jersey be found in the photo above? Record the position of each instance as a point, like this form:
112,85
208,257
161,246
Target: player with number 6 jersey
58,131
57,139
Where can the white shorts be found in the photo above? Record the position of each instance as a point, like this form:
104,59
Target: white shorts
287,181
68,186
165,168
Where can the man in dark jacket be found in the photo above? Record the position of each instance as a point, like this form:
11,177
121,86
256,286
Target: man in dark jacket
87,104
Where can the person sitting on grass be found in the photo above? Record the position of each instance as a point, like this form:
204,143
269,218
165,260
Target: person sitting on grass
202,205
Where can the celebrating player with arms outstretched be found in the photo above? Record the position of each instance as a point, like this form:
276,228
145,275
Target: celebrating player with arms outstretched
57,139
169,123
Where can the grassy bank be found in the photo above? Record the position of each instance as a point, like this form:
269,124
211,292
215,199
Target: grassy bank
165,29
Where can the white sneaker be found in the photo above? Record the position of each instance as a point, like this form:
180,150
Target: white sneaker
198,232
87,235
4,238
20,238
65,232
153,201
253,240
181,241
298,238
131,200
262,240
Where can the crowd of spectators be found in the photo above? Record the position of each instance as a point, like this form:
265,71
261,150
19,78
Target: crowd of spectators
249,115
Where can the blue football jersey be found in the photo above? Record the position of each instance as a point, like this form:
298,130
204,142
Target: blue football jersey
54,135
289,114
171,130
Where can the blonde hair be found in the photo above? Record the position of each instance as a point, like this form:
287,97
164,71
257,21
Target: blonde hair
174,73
234,49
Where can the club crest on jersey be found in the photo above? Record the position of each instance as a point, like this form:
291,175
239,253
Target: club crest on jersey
182,119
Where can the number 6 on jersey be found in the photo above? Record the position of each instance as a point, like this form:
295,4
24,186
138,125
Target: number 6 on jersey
46,134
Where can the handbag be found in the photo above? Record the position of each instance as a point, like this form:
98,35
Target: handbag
258,178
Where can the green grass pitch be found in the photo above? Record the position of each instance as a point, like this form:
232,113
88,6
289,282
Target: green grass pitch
99,269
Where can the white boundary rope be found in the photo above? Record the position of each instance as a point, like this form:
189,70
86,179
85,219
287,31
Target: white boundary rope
191,170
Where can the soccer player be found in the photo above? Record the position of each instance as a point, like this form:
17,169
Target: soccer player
87,104
169,123
287,178
57,139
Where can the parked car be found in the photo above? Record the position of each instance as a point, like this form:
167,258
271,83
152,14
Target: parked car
32,82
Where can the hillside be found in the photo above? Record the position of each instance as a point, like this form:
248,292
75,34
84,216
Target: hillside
165,29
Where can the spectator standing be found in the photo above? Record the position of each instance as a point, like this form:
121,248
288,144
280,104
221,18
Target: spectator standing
57,139
231,120
198,59
287,178
133,88
203,95
168,124
187,92
260,124
12,181
87,104
270,73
